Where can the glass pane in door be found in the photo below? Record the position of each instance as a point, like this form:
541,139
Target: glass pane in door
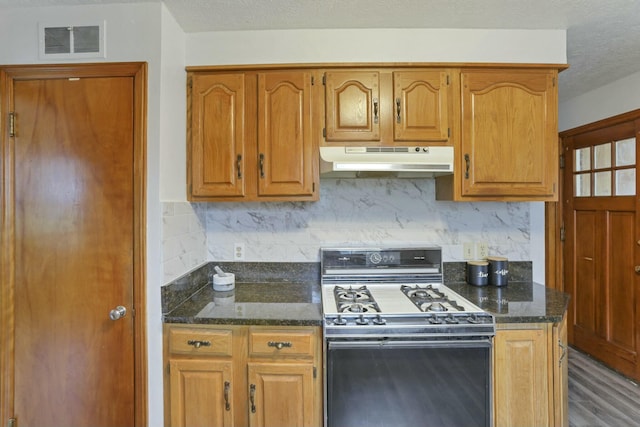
583,159
602,181
626,152
626,182
602,156
582,185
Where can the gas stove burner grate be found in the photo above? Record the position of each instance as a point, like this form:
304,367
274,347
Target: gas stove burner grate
355,300
429,298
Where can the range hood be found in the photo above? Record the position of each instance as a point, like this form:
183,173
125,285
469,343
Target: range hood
380,162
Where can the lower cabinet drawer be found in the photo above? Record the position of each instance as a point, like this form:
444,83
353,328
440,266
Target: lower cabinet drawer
273,342
195,341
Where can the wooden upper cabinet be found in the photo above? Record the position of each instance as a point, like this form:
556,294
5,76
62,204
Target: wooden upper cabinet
421,102
251,136
217,135
352,106
285,152
387,107
509,134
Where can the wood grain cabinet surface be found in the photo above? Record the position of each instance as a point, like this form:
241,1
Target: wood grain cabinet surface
530,375
251,135
387,107
507,149
267,377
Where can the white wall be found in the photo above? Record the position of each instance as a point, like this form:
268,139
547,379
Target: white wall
612,99
133,34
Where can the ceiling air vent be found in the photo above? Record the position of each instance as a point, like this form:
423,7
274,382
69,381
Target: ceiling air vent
72,41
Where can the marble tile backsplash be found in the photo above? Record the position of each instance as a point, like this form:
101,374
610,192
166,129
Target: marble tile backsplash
350,212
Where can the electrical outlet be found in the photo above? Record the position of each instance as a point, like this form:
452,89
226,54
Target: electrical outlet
482,249
468,250
238,251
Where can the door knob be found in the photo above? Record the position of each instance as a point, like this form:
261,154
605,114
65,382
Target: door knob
117,313
637,268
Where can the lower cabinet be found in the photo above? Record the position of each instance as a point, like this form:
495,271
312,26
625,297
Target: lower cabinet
530,375
256,376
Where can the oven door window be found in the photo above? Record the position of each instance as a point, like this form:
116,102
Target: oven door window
383,383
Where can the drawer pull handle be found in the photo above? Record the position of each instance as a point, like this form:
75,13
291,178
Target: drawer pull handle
198,344
227,386
252,397
279,344
375,110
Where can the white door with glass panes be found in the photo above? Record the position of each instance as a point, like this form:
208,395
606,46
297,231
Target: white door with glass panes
602,244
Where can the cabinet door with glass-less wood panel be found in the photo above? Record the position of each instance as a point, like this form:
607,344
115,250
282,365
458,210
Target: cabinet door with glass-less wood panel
530,375
251,136
507,148
387,107
243,375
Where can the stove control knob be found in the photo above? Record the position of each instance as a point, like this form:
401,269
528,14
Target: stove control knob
451,320
339,321
378,320
362,321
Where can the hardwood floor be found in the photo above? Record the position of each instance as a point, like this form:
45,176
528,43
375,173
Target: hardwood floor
599,396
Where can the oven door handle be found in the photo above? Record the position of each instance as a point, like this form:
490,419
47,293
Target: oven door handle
408,344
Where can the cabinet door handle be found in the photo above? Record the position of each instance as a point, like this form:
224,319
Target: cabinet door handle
227,386
239,166
279,344
261,165
564,352
398,110
198,344
375,110
252,397
467,160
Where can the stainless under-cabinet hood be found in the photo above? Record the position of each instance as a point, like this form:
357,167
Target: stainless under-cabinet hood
398,162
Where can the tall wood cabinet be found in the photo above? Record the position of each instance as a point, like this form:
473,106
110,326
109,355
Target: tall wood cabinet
403,107
251,135
258,376
508,139
530,375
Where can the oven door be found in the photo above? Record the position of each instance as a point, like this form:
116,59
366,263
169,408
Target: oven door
384,382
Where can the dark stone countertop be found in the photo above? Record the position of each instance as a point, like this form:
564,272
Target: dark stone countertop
290,304
288,294
518,302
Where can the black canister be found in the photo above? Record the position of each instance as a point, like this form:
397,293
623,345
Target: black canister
498,271
478,273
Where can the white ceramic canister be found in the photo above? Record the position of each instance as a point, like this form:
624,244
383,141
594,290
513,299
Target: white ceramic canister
224,283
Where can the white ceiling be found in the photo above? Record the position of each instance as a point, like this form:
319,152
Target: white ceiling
603,36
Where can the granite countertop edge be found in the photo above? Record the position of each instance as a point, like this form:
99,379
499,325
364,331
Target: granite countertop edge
263,302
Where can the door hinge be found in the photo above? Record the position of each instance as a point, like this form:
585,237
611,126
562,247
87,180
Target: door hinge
11,422
324,132
315,372
12,124
324,79
563,233
448,132
313,187
313,80
447,79
561,161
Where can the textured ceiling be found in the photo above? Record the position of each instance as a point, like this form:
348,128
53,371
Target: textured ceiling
603,36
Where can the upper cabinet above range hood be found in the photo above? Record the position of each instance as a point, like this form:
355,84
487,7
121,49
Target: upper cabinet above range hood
398,162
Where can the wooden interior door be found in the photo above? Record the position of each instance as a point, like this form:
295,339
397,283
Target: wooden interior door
602,240
72,204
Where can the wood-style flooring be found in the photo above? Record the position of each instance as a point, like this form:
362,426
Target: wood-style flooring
600,397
